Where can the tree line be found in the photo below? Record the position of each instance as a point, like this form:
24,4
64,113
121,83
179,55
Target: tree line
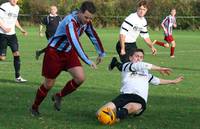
112,12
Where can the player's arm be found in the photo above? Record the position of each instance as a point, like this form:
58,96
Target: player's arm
150,44
162,70
163,24
72,35
93,36
175,81
20,28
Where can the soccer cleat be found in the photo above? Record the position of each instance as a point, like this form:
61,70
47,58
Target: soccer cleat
34,112
37,54
112,64
20,79
172,56
57,102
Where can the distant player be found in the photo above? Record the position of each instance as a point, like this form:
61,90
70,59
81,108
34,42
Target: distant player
167,24
8,20
51,22
135,86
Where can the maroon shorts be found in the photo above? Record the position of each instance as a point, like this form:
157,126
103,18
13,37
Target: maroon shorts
55,61
169,38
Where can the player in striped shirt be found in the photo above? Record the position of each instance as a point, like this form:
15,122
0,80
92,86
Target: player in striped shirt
167,24
135,85
133,26
63,53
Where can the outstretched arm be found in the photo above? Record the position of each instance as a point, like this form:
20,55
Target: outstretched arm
20,28
175,81
162,70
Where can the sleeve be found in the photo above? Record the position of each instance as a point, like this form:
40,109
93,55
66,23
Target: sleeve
153,80
73,38
2,12
132,67
94,38
144,32
126,26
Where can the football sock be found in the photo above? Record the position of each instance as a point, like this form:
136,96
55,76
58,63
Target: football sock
172,51
119,66
160,43
122,113
17,66
69,88
40,95
42,51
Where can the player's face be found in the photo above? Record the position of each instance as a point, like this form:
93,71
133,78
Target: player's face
53,10
13,2
85,17
141,11
137,57
173,12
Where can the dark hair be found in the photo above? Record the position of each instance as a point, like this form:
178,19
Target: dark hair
89,6
136,50
143,3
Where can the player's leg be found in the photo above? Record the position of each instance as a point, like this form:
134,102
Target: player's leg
3,47
39,52
172,50
71,63
50,70
13,43
159,43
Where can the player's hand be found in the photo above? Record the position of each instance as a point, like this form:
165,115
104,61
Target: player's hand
93,65
154,50
25,33
41,34
99,60
165,71
7,30
178,79
123,52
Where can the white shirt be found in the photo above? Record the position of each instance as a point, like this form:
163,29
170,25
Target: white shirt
133,26
9,14
136,79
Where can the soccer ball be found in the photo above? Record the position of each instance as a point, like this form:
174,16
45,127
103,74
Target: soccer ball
106,116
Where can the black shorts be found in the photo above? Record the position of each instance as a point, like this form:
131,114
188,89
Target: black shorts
123,99
129,47
8,40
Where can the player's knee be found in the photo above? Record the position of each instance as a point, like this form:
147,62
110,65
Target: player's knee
167,45
79,80
16,53
2,58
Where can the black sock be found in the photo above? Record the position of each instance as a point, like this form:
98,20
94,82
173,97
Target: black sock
42,51
17,66
119,66
122,113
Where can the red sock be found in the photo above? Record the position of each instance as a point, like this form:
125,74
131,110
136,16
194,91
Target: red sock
172,51
69,88
160,43
40,95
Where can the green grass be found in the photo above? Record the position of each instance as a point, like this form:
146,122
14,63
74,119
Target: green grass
169,107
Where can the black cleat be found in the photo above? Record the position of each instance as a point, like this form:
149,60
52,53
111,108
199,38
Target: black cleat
37,54
57,102
34,112
112,64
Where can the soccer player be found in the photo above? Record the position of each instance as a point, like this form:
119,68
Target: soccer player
8,20
167,24
51,22
63,53
133,26
135,84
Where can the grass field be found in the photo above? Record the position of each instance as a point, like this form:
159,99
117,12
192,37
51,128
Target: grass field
169,107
